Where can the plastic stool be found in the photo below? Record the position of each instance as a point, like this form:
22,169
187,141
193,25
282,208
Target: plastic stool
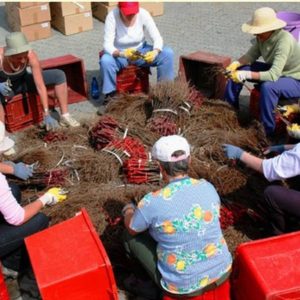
132,79
222,292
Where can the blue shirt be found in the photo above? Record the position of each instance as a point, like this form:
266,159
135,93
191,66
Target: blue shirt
183,218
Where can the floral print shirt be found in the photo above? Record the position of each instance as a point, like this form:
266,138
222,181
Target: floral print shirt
183,218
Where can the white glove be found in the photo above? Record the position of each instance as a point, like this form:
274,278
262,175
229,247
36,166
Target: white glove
240,76
53,196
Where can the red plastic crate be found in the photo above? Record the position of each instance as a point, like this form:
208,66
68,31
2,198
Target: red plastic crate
268,269
204,71
222,292
75,74
70,262
3,289
21,113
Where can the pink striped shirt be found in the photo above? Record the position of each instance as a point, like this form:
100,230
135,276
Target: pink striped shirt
12,211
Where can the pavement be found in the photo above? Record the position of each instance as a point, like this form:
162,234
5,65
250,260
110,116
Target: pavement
187,27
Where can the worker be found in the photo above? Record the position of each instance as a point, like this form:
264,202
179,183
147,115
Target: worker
278,76
280,202
185,253
124,35
15,58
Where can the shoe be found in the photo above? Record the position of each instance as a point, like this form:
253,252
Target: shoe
68,121
107,98
10,152
101,110
9,273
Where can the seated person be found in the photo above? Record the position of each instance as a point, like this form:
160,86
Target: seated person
15,58
175,232
280,201
279,74
124,33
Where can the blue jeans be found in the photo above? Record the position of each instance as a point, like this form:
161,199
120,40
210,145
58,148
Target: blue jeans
110,66
13,254
270,93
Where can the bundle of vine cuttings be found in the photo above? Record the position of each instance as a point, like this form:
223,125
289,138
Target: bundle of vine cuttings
125,148
163,125
140,170
54,136
103,132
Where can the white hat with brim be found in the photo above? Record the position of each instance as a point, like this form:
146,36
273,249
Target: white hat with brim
165,147
263,20
5,142
16,43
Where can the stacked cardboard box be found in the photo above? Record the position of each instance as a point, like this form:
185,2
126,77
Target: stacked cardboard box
71,17
32,18
101,9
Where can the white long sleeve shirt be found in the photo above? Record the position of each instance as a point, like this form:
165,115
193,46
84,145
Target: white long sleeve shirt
117,36
12,211
283,166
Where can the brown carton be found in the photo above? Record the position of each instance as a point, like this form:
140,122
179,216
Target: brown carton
154,8
110,3
37,31
73,23
27,4
27,16
63,9
101,10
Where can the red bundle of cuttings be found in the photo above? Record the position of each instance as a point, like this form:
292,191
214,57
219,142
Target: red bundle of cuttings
103,132
195,98
139,170
52,136
162,125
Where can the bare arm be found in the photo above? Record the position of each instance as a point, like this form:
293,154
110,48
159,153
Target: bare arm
6,168
252,161
32,209
128,214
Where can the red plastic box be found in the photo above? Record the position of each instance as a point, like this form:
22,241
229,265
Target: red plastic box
222,292
204,71
22,112
3,289
70,262
75,74
268,269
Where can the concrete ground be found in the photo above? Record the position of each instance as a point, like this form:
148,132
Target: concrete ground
185,26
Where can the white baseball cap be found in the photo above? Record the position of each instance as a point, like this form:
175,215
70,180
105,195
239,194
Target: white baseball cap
165,147
5,142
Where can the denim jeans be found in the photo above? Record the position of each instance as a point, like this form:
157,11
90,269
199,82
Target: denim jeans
110,66
13,254
270,93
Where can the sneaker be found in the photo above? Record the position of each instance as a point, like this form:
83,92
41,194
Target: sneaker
102,109
10,152
68,121
9,273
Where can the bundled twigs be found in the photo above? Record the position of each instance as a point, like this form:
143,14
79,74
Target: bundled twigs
125,148
139,170
163,125
53,136
103,132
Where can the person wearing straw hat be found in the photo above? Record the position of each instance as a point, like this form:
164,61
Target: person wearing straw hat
15,58
279,201
175,232
278,76
125,43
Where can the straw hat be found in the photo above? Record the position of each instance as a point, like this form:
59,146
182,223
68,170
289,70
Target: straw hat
16,43
263,20
5,142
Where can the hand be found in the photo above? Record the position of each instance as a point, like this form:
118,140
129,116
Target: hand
5,90
127,207
233,66
50,122
240,76
232,152
53,196
129,53
22,170
150,56
277,148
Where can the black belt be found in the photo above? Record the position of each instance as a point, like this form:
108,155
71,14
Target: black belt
205,289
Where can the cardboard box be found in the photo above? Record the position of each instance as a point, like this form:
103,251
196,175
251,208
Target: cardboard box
37,31
62,9
27,4
73,23
100,11
27,16
154,8
110,3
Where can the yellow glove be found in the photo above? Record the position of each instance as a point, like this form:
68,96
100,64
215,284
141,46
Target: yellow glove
289,109
233,66
129,53
53,196
150,56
